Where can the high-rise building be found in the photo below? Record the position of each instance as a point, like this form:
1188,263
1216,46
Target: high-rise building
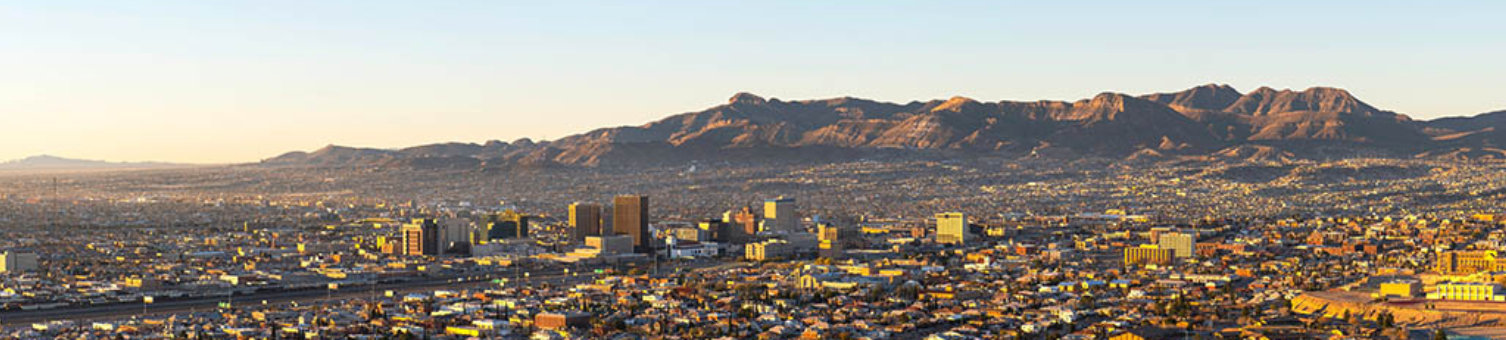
779,215
385,247
421,237
1182,244
630,217
744,224
951,228
585,220
828,232
456,236
830,238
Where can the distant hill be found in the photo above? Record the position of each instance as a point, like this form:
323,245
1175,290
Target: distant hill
1209,122
54,163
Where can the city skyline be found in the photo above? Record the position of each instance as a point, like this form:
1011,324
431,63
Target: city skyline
1085,170
236,83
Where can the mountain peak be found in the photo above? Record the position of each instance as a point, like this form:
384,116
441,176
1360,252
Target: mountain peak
1208,97
1265,100
1110,100
1328,91
746,98
1218,86
42,157
955,103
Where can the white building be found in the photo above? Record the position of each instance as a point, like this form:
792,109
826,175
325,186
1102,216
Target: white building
693,250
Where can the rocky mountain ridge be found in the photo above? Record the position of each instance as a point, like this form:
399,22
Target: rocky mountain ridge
1209,122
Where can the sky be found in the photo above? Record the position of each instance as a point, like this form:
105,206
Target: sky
240,81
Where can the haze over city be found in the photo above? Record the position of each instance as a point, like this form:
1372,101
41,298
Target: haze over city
192,82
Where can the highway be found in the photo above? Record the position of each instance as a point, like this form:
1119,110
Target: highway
119,311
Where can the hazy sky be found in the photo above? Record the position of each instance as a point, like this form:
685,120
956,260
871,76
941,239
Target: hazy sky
221,81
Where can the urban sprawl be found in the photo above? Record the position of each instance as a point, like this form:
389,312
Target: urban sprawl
1121,256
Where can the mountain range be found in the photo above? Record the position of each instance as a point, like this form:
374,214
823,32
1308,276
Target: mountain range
50,163
1209,122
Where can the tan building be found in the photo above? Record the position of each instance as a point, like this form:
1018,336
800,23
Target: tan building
420,237
767,250
1182,244
744,225
554,320
1469,262
630,217
690,234
951,228
830,238
1148,254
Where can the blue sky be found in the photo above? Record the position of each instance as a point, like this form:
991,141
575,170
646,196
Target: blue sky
223,81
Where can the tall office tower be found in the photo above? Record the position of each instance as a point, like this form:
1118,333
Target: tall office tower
1183,244
630,217
779,214
455,236
421,237
827,232
951,228
744,224
585,219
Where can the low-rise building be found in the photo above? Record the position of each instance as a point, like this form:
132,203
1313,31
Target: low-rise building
1400,288
1468,291
1148,254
